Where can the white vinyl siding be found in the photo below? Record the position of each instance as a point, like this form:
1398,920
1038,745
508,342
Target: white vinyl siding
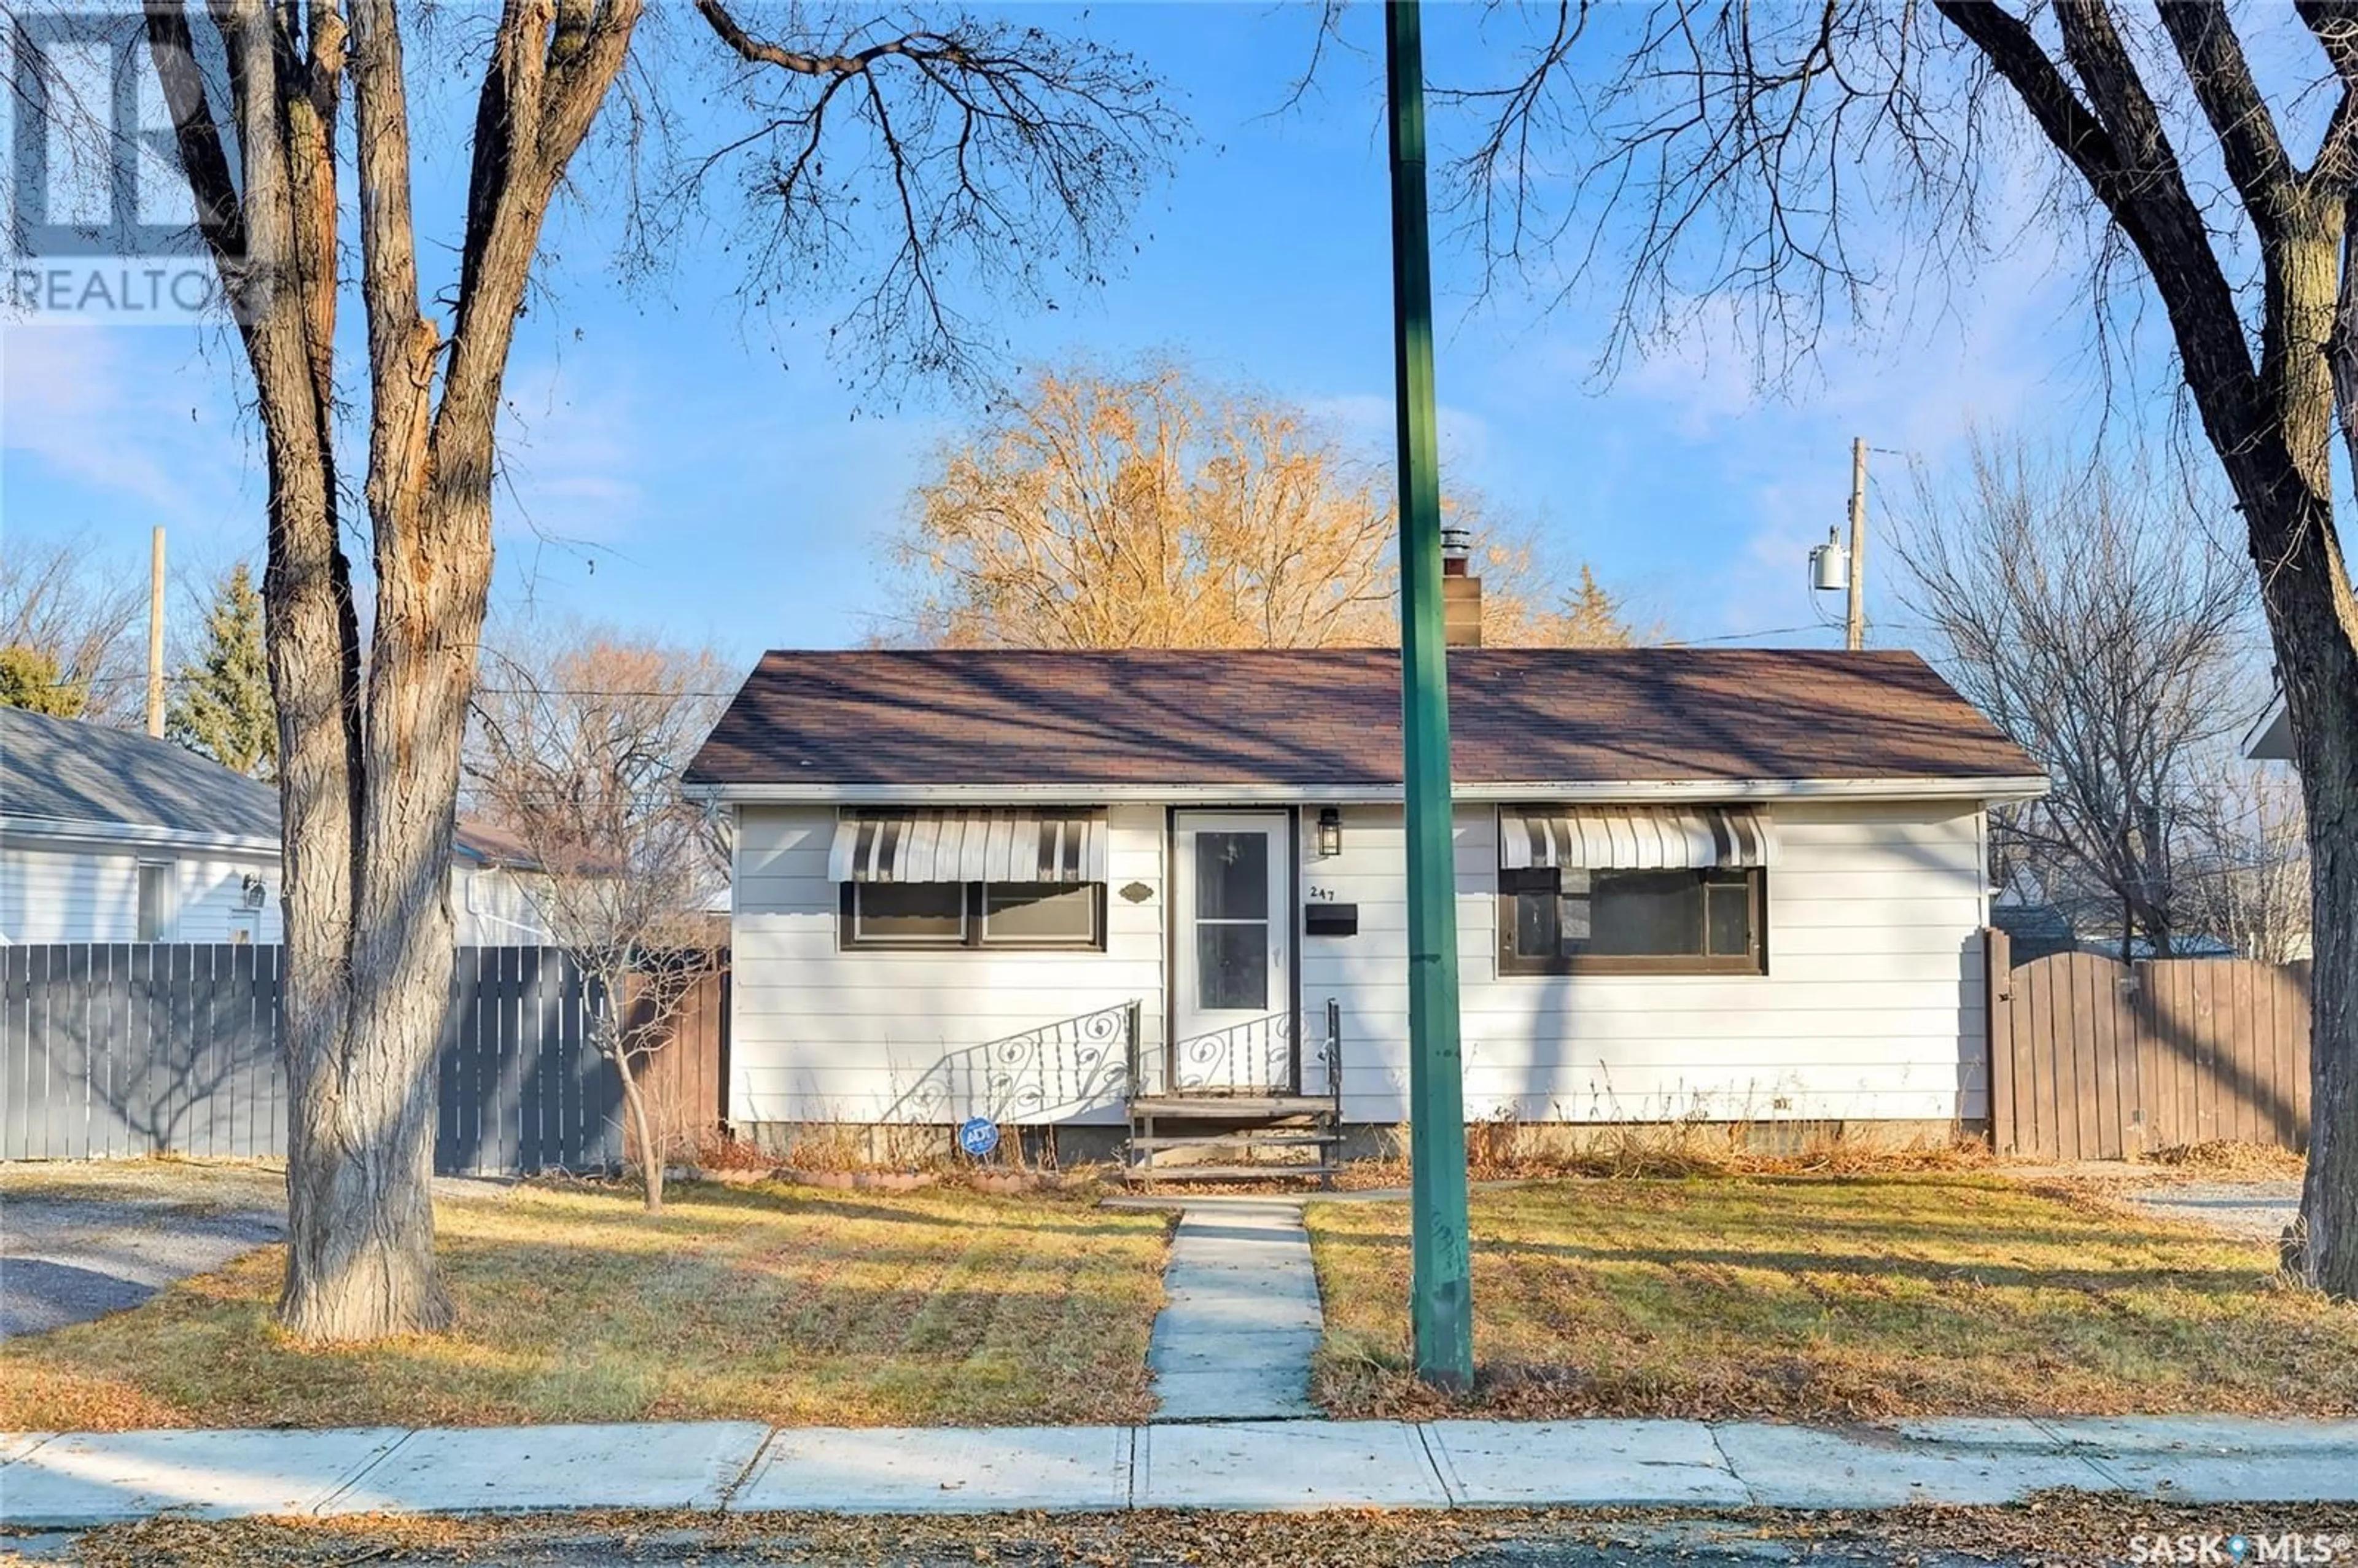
821,1035
57,892
1872,1007
491,906
64,892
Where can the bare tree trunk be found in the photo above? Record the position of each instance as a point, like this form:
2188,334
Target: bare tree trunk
371,774
2272,426
652,1153
360,1261
2318,668
2330,1197
2313,623
369,778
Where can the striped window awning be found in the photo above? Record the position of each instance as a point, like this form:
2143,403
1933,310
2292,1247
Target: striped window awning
1635,838
969,846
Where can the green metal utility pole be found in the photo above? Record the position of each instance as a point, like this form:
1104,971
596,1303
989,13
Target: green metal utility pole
1441,1296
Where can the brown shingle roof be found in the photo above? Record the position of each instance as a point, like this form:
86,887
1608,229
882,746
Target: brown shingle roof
492,845
1269,717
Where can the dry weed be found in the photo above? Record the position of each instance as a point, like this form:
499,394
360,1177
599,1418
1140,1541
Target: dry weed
2226,1157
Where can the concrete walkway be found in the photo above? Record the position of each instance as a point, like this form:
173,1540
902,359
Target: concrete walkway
1241,1316
79,1480
77,1242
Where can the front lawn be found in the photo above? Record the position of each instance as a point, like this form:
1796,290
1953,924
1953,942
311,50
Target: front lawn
767,1303
1827,1297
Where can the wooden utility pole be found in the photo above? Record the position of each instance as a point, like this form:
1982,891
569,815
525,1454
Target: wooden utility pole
1441,1291
156,636
1855,623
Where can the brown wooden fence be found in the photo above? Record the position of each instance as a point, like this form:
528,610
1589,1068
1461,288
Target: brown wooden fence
2094,1059
687,1078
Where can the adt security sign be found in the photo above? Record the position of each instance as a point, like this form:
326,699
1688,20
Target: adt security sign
978,1136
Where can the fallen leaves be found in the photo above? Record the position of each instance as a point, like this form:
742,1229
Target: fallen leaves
2061,1528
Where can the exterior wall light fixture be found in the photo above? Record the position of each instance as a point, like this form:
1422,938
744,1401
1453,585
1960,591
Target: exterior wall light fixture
1330,832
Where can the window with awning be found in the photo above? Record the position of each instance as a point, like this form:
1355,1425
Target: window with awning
969,846
1633,890
1636,838
970,879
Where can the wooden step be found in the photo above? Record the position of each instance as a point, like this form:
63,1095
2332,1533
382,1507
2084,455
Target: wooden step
1177,1106
1251,1138
1225,1173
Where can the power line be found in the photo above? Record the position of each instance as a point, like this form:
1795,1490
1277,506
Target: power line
591,691
1748,636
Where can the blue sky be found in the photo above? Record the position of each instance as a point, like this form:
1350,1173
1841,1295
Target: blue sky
675,466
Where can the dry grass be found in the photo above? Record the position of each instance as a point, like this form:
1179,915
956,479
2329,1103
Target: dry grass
1823,1297
161,1187
1501,1149
2224,1157
764,1303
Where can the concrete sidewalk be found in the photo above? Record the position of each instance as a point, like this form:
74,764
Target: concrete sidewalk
1240,1316
76,1480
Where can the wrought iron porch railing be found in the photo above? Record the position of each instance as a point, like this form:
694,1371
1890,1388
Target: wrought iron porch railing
1255,1057
1058,1069
1331,1055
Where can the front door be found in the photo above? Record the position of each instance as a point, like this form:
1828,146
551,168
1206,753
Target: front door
1232,1009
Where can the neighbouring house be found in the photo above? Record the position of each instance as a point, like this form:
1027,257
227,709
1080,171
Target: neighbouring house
114,836
2269,739
492,879
2036,926
1091,889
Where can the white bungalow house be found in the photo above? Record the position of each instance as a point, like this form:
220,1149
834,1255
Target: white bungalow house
113,836
1088,890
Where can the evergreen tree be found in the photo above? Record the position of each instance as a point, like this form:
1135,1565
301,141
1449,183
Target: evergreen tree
224,708
1594,617
29,678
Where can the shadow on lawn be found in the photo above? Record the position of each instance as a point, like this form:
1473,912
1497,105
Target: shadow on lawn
946,1208
2221,1279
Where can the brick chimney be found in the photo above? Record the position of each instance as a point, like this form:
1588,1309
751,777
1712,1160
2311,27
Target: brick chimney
1461,591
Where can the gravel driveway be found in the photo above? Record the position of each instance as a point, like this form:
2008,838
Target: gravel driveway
2251,1211
79,1240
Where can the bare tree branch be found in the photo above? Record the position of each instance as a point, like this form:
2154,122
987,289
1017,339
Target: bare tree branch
2097,628
1007,150
578,748
2222,79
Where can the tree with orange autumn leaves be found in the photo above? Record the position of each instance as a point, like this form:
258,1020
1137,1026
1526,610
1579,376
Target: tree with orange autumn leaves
1150,507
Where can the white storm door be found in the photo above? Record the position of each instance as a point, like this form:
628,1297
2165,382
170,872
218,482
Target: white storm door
1232,1012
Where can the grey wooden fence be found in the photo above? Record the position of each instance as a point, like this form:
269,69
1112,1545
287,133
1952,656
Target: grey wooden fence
125,1049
